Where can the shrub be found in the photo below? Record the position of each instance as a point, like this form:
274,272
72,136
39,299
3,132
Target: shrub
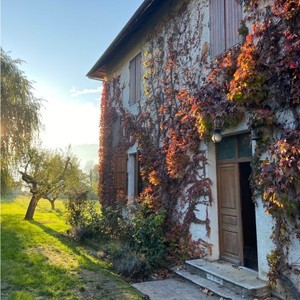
148,237
83,216
140,228
128,262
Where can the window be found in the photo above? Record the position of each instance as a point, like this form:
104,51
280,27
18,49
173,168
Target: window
234,147
225,18
135,79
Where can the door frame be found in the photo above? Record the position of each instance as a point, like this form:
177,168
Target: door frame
233,162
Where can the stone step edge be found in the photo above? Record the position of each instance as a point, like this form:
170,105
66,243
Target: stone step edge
263,286
216,289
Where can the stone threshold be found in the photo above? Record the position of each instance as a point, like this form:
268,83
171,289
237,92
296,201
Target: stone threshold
224,279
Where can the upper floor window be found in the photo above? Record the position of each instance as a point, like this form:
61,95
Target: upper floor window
225,18
135,79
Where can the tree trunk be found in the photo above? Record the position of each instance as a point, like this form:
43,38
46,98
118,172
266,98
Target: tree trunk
31,207
52,204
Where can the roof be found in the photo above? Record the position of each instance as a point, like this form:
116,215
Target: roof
143,13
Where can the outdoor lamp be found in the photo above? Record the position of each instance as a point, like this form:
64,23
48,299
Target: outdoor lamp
255,134
217,136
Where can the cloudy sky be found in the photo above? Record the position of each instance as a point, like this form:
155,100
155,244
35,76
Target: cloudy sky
59,41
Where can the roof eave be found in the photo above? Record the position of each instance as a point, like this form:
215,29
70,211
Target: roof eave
99,74
98,71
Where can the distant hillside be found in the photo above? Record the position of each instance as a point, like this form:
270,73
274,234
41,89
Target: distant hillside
87,154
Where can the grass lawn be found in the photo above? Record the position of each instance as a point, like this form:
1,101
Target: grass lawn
38,260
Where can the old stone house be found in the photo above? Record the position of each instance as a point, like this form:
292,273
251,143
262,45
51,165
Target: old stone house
157,71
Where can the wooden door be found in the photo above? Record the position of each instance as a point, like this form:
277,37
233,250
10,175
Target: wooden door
231,240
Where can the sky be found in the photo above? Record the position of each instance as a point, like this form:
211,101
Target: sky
59,42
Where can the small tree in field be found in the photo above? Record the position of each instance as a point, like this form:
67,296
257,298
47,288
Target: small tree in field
93,178
49,174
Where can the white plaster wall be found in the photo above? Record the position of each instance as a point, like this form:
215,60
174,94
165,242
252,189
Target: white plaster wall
264,225
199,230
265,245
213,210
294,260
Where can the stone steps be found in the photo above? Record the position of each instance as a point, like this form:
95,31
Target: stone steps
224,279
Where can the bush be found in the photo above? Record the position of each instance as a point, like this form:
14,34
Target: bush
114,224
140,228
83,216
127,262
148,238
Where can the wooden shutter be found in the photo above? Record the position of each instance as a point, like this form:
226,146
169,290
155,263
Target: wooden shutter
233,16
120,173
217,30
138,77
135,79
132,82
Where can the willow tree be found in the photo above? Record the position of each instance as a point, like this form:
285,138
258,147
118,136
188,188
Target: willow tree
20,116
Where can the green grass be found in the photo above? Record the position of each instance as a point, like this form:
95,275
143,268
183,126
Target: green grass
40,262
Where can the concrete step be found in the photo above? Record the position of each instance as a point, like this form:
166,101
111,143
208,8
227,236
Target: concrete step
211,286
238,282
172,289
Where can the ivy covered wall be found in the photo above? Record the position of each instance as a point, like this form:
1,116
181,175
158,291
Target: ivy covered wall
186,95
